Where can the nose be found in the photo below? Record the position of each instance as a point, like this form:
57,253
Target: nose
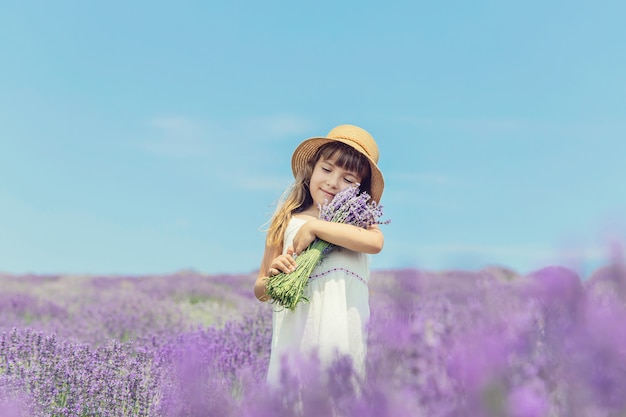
332,181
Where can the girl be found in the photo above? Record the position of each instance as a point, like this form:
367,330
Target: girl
334,319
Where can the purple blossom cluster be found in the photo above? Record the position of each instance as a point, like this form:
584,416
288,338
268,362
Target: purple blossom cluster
354,207
455,343
145,309
45,376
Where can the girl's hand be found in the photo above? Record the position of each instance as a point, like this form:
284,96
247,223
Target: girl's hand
283,263
304,237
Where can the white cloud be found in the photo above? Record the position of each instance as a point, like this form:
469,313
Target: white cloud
244,154
262,183
590,132
520,256
184,137
246,140
177,137
275,127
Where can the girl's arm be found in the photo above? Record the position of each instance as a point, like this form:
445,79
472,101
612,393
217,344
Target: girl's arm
273,263
351,237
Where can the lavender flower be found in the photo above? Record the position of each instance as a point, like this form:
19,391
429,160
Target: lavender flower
348,207
442,344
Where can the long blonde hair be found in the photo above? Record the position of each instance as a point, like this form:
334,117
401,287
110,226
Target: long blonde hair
298,197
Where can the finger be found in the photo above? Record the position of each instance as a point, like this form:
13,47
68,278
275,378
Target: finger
289,265
291,259
288,258
278,263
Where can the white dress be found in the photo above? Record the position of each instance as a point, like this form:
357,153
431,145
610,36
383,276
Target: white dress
335,318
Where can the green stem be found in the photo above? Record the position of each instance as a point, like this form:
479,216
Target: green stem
288,289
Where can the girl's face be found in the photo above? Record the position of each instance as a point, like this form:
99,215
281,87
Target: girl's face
328,179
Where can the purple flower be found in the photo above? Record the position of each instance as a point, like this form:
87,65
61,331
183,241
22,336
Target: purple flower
528,401
440,343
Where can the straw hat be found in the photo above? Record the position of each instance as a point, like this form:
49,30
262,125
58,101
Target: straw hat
351,135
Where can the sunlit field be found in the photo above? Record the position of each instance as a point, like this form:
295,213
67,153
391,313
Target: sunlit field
459,343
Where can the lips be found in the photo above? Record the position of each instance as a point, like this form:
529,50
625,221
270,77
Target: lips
327,194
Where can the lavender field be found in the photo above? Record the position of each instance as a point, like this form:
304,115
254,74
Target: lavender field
459,343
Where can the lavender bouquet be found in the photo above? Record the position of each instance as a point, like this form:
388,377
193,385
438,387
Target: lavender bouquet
349,207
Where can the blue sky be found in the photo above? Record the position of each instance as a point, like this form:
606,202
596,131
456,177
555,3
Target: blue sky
149,137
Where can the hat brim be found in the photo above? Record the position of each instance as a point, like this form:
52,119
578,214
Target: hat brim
307,149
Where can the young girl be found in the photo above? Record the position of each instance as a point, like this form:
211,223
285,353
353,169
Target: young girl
334,319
